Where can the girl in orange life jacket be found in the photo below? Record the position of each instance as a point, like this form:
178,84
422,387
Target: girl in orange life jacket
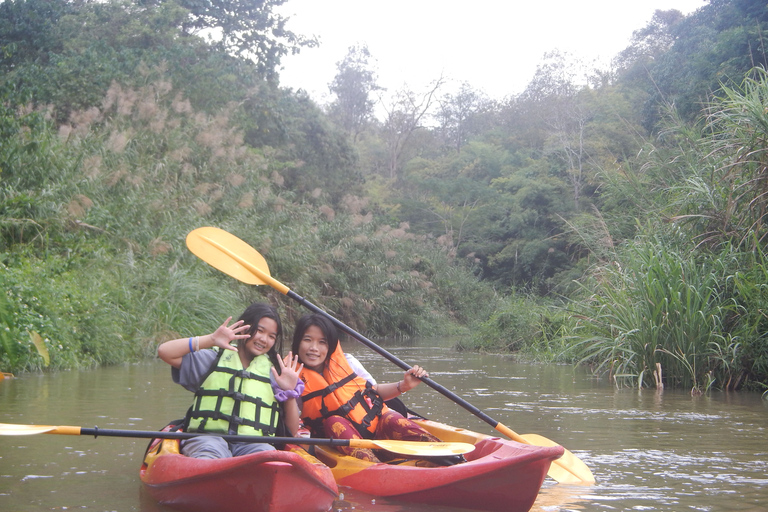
340,399
259,391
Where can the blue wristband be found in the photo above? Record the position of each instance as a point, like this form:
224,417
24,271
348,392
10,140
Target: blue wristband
190,344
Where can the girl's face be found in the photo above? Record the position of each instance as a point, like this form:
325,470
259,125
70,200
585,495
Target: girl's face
313,348
263,339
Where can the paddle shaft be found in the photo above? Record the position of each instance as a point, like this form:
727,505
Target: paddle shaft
405,366
409,447
153,434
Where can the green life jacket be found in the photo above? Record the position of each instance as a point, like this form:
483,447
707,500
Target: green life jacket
232,400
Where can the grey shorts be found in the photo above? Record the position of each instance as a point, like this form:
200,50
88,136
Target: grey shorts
211,447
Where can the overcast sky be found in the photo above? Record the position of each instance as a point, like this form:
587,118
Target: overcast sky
494,45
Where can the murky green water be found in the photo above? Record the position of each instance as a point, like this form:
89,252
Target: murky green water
648,451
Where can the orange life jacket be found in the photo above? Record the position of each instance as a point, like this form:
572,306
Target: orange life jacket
338,391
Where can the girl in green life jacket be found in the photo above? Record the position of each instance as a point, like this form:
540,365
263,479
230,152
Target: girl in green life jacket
241,383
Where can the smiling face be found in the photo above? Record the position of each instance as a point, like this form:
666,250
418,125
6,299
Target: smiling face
262,340
313,348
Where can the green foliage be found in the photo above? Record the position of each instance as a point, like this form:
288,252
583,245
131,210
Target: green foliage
716,45
28,30
463,116
67,55
690,298
9,355
322,159
248,28
503,219
709,176
100,208
48,298
92,310
659,306
518,324
353,86
751,293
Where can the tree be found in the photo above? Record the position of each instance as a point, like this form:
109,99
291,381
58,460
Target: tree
353,85
28,30
447,192
650,42
519,236
320,156
248,28
456,115
404,115
569,140
716,45
567,113
555,76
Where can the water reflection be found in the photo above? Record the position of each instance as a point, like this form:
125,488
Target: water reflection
648,451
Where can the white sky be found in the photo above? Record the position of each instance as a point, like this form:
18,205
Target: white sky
494,45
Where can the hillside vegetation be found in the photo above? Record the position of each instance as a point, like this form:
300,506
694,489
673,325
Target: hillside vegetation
610,217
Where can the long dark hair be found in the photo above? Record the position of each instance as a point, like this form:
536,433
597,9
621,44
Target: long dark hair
256,312
322,323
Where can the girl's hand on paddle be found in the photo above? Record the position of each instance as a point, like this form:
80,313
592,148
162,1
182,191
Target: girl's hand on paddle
412,377
225,335
289,371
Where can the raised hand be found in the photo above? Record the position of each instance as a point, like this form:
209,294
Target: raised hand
289,371
225,335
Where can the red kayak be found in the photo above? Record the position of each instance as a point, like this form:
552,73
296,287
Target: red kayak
499,475
273,481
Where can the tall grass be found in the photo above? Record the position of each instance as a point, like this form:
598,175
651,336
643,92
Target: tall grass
689,292
750,284
660,306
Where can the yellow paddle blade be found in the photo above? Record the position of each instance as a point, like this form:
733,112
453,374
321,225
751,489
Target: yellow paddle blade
568,469
225,252
7,429
414,447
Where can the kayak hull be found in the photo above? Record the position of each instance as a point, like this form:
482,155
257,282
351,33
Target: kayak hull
499,475
273,481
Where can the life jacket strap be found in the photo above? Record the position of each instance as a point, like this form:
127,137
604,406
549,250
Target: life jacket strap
234,421
373,406
330,388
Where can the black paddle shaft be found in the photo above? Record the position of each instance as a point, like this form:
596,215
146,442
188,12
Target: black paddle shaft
394,359
153,434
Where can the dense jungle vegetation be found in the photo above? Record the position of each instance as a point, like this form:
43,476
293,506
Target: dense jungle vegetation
608,217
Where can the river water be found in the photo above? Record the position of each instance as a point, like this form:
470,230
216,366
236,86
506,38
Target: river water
648,451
